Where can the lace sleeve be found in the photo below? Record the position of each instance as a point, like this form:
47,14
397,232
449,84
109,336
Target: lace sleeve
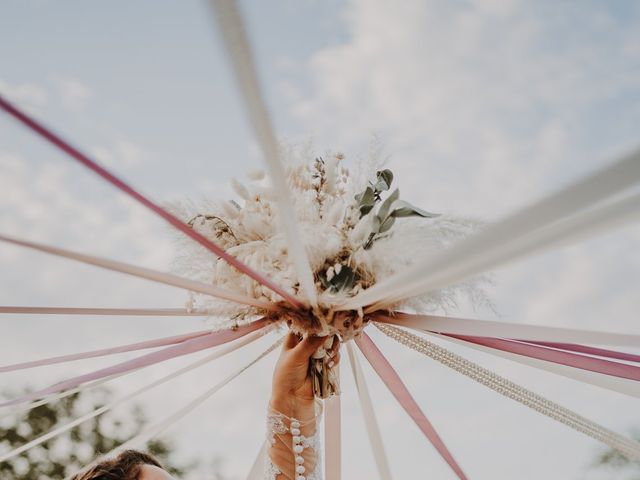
293,447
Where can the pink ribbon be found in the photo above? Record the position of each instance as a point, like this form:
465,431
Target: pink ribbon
583,362
600,352
157,342
393,382
189,346
124,187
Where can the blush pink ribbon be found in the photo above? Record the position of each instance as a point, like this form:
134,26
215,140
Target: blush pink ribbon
76,154
600,352
395,385
157,342
189,346
561,357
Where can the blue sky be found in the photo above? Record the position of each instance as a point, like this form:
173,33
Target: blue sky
482,107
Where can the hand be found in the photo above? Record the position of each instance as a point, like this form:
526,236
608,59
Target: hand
291,380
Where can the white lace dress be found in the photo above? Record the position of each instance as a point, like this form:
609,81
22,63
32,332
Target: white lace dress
303,439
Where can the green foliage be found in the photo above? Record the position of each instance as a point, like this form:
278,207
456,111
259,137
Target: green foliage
612,459
391,209
342,281
71,451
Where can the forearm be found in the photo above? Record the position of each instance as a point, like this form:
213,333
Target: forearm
293,425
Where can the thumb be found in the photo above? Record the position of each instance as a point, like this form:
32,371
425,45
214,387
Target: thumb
307,346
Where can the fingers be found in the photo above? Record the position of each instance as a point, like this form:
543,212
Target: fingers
290,341
308,345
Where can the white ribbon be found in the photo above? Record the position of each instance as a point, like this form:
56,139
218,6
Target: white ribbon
615,384
233,31
373,431
257,469
486,328
528,230
155,312
146,273
99,411
333,436
628,447
155,429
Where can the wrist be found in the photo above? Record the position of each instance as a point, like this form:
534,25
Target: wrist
293,406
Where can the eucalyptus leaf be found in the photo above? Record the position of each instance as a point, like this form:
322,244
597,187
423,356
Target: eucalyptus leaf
375,224
383,212
405,209
387,224
344,280
367,197
383,180
365,209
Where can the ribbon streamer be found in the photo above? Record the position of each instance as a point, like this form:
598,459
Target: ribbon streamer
532,333
583,362
190,346
373,431
133,312
519,233
99,411
155,429
8,411
235,38
600,352
395,385
628,447
615,384
257,469
158,342
146,273
333,437
76,154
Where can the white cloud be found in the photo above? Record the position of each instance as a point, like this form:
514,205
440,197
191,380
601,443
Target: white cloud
122,154
74,94
32,96
485,106
495,98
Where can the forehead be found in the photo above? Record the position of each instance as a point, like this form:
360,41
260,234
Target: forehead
151,472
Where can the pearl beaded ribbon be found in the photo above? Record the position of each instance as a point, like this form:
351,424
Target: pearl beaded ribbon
627,447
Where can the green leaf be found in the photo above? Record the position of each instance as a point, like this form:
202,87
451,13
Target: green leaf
375,224
365,209
383,180
367,197
387,224
383,212
344,280
405,209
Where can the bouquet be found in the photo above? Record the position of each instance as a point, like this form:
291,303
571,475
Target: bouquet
356,230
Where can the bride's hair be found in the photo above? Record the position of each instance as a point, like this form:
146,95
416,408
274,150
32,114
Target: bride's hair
126,466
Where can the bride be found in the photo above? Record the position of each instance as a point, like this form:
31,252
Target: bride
293,414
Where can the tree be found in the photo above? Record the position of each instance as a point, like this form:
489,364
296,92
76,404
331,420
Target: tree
612,459
69,452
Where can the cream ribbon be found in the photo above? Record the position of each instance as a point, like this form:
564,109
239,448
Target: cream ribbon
371,424
99,411
231,25
530,229
146,273
333,436
156,428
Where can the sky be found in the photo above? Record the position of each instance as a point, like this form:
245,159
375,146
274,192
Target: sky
481,106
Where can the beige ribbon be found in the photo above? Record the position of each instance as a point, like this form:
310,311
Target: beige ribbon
373,431
146,273
333,436
231,25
